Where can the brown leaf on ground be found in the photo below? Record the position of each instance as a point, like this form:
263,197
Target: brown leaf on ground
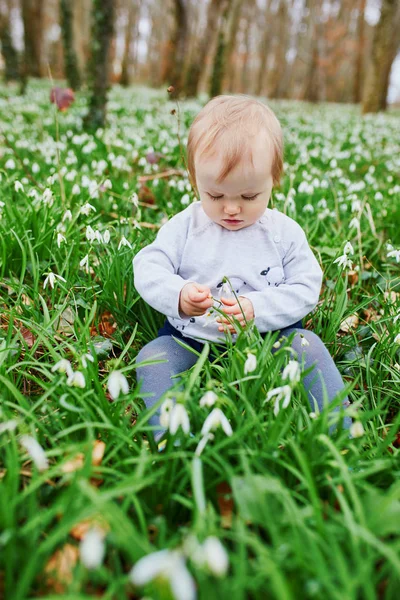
146,194
352,277
28,336
59,568
78,460
106,326
225,503
349,323
370,314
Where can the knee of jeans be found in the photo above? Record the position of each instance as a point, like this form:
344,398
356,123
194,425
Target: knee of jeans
154,350
309,343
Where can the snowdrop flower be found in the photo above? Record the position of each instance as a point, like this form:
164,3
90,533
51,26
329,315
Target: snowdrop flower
60,238
209,399
67,215
51,278
76,379
8,425
106,236
397,338
354,223
92,548
225,291
18,187
86,208
85,358
185,199
250,364
215,419
48,197
170,565
124,242
304,341
292,371
107,185
85,263
135,200
344,261
117,383
280,393
76,190
10,164
35,451
357,429
98,236
63,366
89,233
394,253
216,556
348,248
165,413
179,418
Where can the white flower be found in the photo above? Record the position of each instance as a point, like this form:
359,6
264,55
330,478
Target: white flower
35,451
10,164
216,556
51,278
209,399
348,248
357,429
85,263
98,236
165,413
92,548
397,339
76,379
117,383
124,242
250,364
179,418
48,197
86,208
215,419
225,291
63,366
354,223
292,371
89,233
135,200
185,199
76,190
60,239
304,341
85,358
107,184
8,425
280,393
67,215
168,564
106,236
344,261
313,415
394,253
18,187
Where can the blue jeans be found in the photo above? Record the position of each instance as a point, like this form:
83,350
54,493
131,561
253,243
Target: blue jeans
156,379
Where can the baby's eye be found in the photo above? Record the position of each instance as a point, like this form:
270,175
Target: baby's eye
214,197
250,197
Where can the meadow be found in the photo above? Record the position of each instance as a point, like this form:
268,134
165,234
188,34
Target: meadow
266,505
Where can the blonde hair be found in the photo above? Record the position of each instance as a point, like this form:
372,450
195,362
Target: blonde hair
226,124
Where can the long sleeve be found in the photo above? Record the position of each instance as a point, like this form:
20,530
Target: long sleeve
156,266
280,306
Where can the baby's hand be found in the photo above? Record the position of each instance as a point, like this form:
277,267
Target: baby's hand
232,308
195,299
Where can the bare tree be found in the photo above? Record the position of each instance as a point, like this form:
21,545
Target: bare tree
8,51
32,16
264,49
276,76
133,10
219,64
197,64
70,60
360,50
175,57
102,30
384,46
233,26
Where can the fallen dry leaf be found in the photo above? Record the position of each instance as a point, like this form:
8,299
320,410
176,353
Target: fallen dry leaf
59,568
106,326
225,503
78,460
79,530
349,323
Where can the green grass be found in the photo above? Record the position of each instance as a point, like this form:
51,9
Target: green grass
313,515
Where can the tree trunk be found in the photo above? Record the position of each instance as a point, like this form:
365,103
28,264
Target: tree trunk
32,16
264,49
81,34
70,60
386,38
8,51
102,30
278,70
176,49
358,75
235,14
133,10
196,67
310,90
219,64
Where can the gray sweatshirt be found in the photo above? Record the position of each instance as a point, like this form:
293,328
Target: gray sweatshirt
269,262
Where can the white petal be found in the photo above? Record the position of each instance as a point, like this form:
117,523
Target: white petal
183,585
216,556
35,451
92,549
250,364
209,398
148,567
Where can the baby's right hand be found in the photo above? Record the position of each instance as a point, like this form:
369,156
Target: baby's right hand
195,299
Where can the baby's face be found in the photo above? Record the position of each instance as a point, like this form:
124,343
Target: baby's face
242,197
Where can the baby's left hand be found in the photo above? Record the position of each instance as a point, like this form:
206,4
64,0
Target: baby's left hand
232,308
